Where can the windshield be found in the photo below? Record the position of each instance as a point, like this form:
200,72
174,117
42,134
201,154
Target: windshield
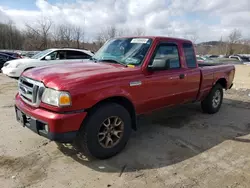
124,51
41,54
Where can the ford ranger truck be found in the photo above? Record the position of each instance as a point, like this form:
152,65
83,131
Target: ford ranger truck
95,104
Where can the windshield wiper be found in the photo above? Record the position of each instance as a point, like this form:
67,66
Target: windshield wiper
114,61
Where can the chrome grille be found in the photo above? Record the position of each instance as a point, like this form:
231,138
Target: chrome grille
30,91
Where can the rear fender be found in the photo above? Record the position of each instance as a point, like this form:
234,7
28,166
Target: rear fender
222,81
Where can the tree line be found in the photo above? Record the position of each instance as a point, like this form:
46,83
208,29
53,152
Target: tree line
232,44
45,34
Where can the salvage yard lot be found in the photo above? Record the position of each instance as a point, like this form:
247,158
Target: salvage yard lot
177,147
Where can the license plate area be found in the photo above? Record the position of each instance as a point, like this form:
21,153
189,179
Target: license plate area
21,117
29,122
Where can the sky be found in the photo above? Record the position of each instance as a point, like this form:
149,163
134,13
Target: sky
203,20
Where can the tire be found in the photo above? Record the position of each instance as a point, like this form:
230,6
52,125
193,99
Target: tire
212,103
89,142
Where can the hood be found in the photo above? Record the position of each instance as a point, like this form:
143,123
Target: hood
15,62
72,74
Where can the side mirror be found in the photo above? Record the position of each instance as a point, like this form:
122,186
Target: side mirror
159,64
48,57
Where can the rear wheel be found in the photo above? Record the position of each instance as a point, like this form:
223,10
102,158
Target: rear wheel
212,103
105,132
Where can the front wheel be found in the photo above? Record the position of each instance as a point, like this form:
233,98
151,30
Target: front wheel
212,103
105,132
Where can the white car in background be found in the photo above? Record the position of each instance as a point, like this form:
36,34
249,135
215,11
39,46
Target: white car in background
14,68
243,59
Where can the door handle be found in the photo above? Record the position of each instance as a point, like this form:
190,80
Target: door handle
182,76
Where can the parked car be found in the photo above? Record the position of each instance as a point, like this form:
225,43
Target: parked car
13,54
212,56
28,54
204,60
242,59
47,57
96,103
4,58
200,59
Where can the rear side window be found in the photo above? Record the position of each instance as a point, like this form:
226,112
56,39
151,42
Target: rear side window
189,55
77,55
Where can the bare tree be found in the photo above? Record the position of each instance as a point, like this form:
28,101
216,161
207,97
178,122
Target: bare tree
106,34
66,34
78,35
10,36
221,46
194,37
42,30
128,32
63,35
44,34
112,31
233,38
56,36
138,32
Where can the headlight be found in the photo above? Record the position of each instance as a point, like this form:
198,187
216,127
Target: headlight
11,65
56,98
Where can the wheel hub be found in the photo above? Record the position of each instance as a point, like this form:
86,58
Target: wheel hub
216,99
110,132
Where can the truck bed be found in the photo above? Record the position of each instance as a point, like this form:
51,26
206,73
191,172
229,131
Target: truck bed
212,72
215,64
208,64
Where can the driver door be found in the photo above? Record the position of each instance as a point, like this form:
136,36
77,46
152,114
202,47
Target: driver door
163,86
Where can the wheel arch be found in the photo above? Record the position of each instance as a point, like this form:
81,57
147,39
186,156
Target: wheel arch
123,101
222,82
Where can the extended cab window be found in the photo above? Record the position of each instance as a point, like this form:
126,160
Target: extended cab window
77,55
168,55
189,55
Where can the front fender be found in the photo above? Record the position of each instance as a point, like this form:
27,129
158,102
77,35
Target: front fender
92,98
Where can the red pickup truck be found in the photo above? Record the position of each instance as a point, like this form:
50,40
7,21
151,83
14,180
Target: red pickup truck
96,103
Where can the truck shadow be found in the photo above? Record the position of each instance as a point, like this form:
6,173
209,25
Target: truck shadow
173,135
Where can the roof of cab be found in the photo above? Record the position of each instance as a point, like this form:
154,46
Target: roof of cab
158,38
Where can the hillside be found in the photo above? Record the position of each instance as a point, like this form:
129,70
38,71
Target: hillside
223,48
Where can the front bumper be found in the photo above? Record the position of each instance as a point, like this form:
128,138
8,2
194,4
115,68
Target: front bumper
11,72
60,127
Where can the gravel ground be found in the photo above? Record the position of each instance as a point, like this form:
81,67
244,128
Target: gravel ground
177,147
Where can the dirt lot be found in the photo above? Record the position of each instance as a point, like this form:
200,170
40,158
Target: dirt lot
179,147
